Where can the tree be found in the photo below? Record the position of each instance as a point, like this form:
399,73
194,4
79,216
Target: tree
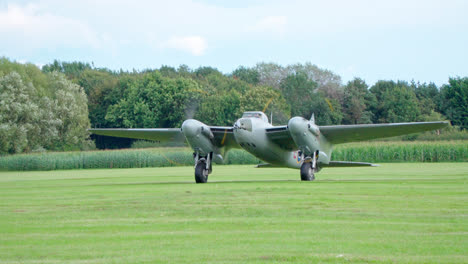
299,92
220,109
20,115
153,101
71,69
31,121
267,99
455,104
355,102
328,83
248,75
304,99
395,102
70,106
428,97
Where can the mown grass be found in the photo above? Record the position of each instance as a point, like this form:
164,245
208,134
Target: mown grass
444,151
396,213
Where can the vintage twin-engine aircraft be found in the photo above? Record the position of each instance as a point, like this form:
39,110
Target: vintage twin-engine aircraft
301,144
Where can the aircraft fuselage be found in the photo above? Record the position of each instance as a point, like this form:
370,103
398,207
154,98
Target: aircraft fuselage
250,134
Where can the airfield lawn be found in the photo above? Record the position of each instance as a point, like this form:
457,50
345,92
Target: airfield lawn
396,213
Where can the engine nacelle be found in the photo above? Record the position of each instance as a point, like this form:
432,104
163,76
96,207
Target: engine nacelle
199,136
304,134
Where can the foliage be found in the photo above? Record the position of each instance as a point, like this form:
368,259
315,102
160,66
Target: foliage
247,75
153,101
356,100
305,99
395,102
53,116
447,151
70,107
455,103
72,70
165,97
328,83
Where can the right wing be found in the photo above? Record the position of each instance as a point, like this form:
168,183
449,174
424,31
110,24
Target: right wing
154,134
223,136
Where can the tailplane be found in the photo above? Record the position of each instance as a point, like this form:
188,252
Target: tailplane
348,164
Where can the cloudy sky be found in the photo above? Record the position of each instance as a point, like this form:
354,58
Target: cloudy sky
424,40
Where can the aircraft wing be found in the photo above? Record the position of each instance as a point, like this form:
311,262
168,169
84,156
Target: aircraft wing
280,135
154,134
350,133
223,136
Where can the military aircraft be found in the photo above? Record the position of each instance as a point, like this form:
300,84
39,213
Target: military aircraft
300,144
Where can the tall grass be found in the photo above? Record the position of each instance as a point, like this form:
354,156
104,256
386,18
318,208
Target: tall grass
444,151
447,151
128,158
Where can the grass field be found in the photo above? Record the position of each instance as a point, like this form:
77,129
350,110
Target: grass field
396,213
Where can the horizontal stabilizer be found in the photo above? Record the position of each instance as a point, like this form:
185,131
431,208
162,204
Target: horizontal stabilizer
348,164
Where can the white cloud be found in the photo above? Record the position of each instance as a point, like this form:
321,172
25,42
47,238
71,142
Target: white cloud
195,45
35,28
271,24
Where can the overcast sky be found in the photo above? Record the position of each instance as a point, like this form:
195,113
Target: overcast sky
423,40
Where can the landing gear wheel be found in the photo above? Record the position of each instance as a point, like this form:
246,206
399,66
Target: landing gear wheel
201,173
307,172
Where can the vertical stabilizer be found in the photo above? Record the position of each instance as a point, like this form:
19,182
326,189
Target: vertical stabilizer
312,118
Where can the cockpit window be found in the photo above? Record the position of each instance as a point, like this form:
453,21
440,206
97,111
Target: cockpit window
256,115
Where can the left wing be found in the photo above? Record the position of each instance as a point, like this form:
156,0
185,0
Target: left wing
351,133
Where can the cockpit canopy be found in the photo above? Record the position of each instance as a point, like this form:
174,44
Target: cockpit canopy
256,114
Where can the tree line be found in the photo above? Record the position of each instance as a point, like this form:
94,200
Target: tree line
68,97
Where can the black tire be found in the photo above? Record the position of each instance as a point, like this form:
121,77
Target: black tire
201,173
307,172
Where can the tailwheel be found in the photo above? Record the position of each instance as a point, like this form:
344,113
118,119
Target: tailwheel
201,173
307,172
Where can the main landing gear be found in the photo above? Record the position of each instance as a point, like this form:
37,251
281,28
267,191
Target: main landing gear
309,167
202,167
